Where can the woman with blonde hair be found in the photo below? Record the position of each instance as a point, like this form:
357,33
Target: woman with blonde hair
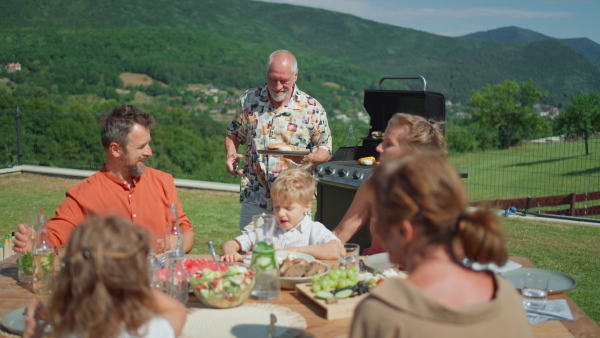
420,211
404,131
104,290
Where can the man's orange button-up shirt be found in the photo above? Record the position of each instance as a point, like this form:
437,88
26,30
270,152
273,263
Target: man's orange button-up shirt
146,203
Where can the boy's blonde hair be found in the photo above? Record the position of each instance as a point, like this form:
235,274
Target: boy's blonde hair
294,185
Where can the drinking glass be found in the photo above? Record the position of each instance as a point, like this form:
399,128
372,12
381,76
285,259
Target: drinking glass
348,255
177,285
30,215
534,290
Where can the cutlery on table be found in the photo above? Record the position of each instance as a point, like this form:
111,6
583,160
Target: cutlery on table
272,325
211,249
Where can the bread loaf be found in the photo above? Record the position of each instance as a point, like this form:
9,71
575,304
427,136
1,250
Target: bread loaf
297,270
285,265
311,269
281,146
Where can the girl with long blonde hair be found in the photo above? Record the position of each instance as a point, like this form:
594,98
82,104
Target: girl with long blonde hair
104,290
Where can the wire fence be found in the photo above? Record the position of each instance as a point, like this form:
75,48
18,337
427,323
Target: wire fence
536,165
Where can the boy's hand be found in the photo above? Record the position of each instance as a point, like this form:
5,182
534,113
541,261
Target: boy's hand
231,257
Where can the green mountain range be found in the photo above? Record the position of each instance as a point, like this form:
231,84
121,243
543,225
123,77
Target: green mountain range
513,34
79,46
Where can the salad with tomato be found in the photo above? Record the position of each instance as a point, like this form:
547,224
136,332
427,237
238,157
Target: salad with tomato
227,286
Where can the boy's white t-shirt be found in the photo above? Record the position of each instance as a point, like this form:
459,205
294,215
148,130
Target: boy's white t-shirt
305,233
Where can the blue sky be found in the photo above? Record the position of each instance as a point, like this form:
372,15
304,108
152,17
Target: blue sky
555,18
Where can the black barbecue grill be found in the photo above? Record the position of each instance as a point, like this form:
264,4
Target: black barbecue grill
339,178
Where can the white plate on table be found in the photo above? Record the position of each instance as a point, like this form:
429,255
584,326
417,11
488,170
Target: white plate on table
558,282
14,322
378,262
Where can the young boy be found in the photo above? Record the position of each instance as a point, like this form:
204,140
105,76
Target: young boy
292,194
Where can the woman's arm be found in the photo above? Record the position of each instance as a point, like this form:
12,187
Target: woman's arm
320,251
357,215
170,309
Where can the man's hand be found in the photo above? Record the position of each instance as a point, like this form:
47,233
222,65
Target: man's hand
231,164
316,158
23,239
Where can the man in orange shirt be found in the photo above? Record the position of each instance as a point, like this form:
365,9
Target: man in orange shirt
124,186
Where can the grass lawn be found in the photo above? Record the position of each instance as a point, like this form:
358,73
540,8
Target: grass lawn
572,249
534,170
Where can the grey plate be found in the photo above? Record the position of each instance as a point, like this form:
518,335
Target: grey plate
14,322
283,152
558,282
378,262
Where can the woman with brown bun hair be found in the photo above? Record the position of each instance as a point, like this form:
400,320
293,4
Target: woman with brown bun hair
420,210
104,290
404,131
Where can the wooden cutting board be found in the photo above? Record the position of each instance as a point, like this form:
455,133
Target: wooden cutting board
344,308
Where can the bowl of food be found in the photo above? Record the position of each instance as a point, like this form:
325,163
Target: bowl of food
298,270
296,267
224,287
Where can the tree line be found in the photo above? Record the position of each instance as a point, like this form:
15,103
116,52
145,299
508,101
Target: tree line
188,144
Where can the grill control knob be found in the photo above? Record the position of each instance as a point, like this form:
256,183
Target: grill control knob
357,175
319,170
343,173
329,171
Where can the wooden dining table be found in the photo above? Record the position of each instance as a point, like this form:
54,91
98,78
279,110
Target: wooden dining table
14,295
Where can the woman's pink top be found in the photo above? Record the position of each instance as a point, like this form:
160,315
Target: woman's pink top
375,245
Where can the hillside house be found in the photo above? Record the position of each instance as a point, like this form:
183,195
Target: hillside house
342,117
13,66
216,110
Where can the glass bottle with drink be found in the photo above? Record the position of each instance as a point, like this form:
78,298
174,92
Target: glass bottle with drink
177,277
264,261
173,235
350,138
43,259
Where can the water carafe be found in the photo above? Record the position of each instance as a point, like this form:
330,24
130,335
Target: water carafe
264,261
